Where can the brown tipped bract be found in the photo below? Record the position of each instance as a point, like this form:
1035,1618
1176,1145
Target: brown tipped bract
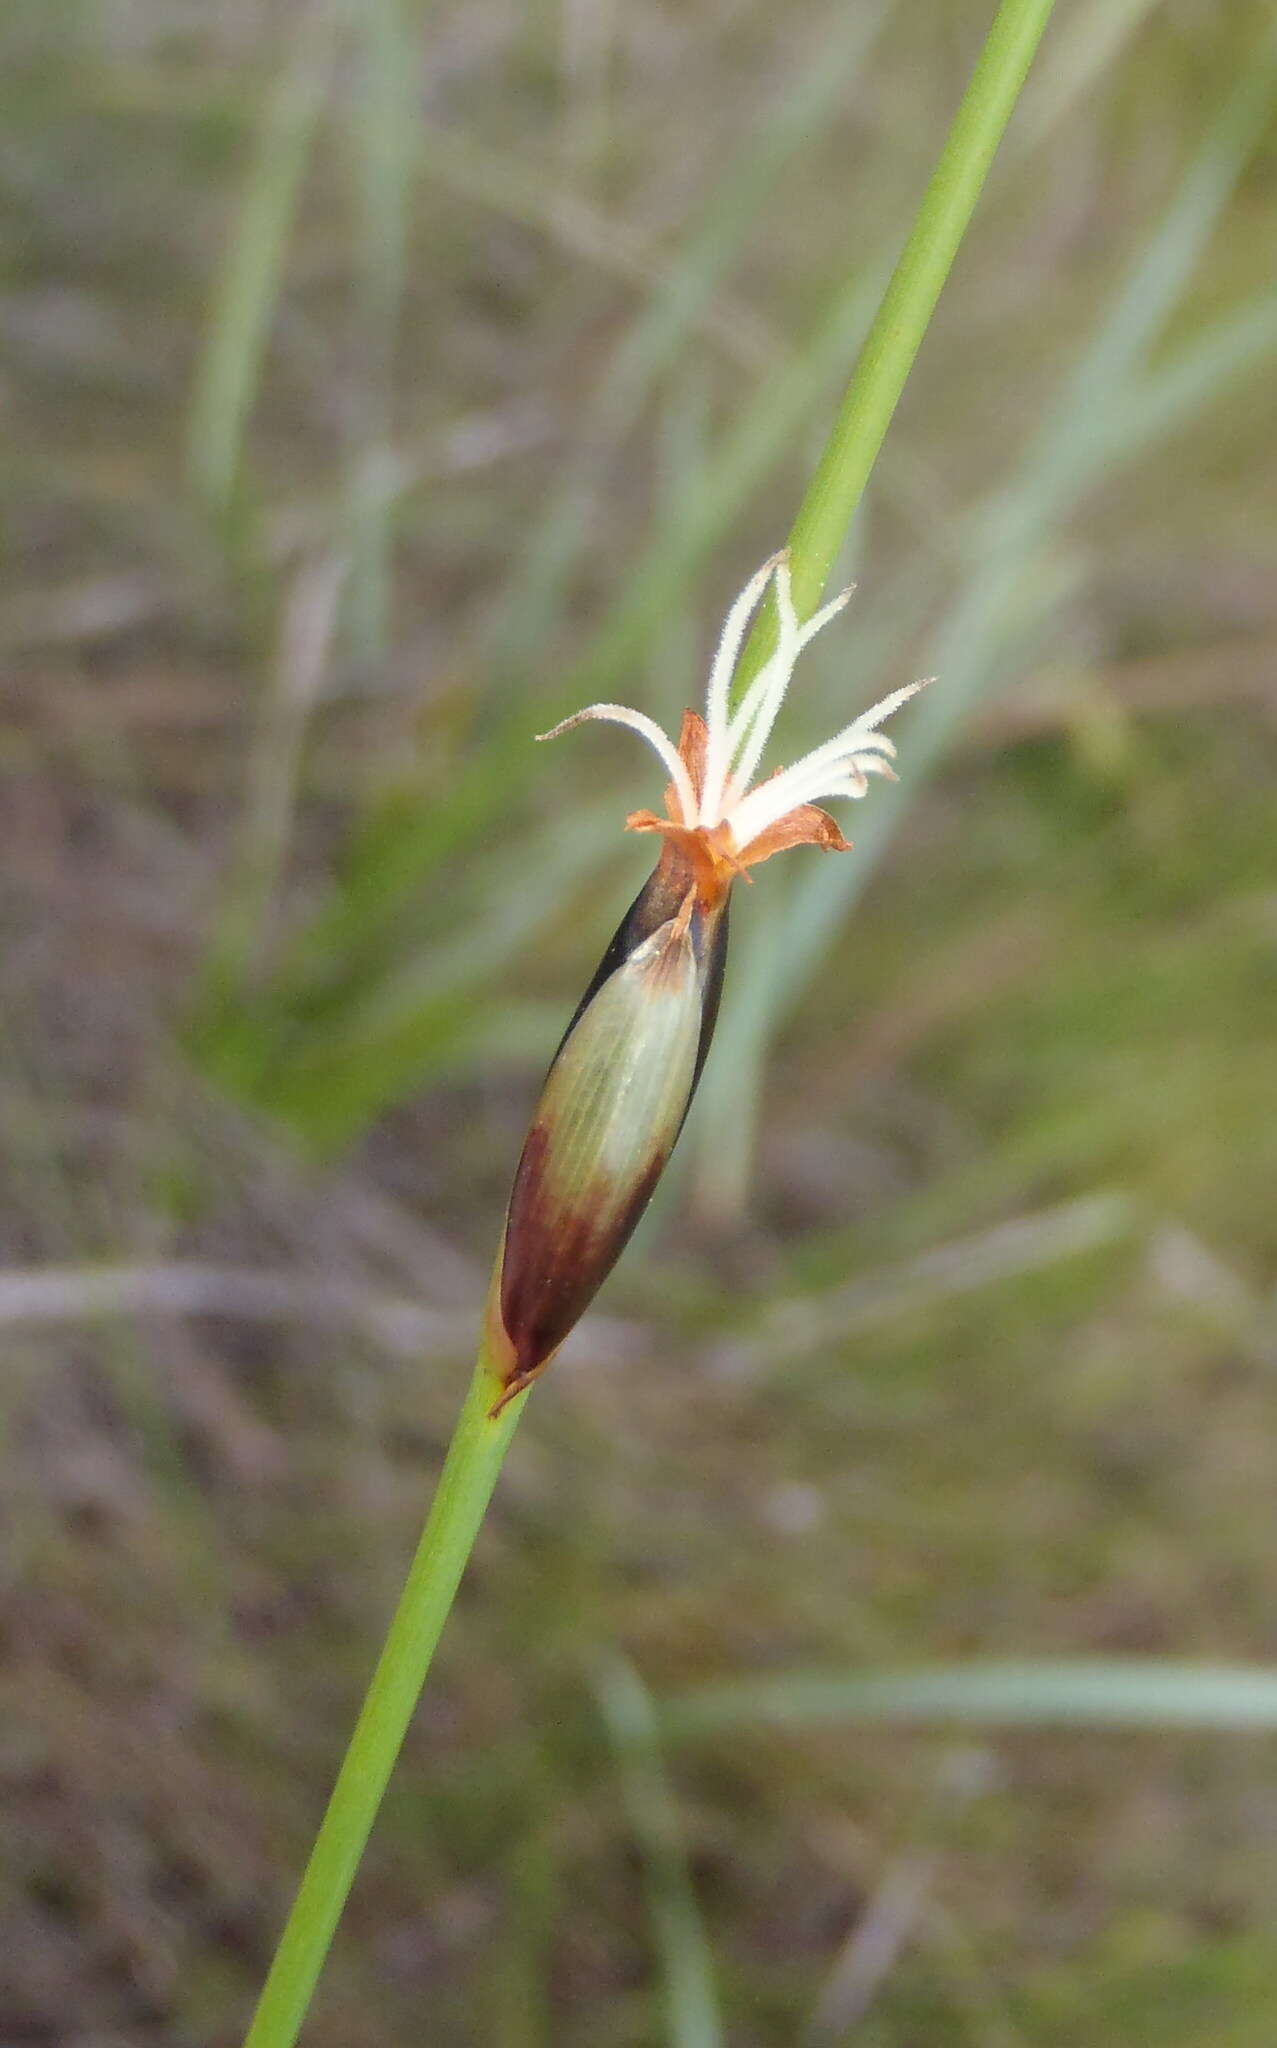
611,1109
619,1088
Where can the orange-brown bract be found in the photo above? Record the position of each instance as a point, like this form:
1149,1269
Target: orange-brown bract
611,1109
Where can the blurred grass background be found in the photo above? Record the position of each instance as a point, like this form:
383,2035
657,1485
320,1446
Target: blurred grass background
378,384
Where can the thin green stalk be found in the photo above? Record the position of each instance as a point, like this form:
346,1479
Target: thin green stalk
894,339
479,1444
465,1487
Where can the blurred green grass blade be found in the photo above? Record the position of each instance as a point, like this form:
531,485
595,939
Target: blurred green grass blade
1092,1693
383,140
522,191
1088,42
499,920
329,1065
524,1939
797,121
687,1966
384,156
1179,390
251,276
240,938
785,400
1074,444
681,440
793,1327
902,319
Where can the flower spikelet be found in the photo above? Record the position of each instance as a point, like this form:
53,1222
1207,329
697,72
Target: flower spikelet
620,1085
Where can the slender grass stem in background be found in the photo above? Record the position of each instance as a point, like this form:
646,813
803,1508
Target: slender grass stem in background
483,1432
230,369
1092,1692
687,1964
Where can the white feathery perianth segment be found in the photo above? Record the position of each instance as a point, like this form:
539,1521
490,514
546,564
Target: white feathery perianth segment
648,729
718,694
839,768
735,741
747,738
751,728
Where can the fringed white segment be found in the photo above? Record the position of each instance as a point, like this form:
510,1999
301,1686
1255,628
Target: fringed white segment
755,718
856,751
717,695
735,744
746,743
861,736
862,731
855,781
819,620
648,729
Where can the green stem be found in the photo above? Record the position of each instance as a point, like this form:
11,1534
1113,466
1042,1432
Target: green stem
479,1444
465,1487
894,339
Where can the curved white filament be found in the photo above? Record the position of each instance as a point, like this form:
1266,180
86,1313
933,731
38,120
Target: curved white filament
717,720
735,742
648,729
